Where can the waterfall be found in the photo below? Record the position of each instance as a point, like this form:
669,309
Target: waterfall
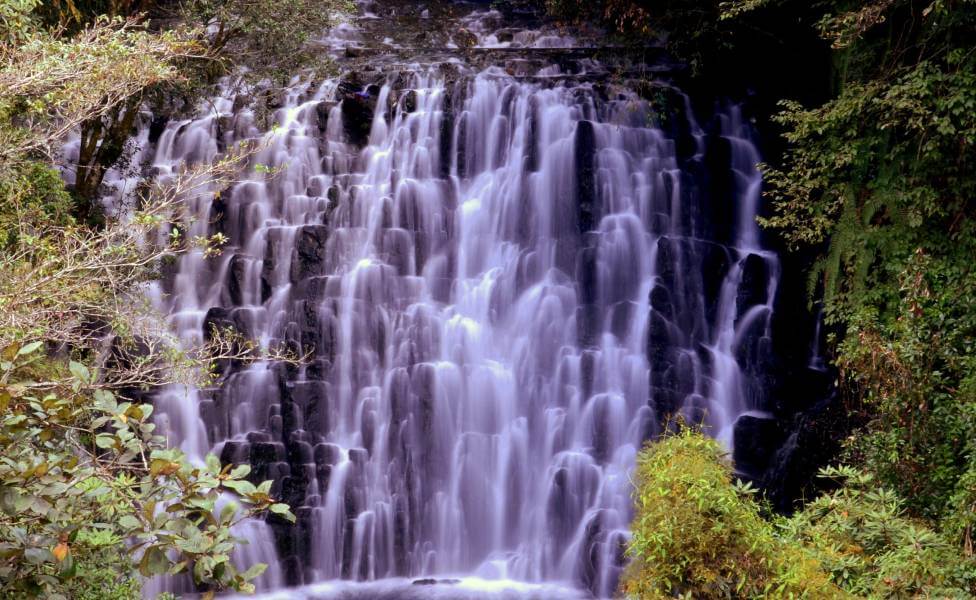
506,278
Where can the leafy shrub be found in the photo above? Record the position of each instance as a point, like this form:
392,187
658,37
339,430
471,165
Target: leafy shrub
861,534
881,178
35,199
85,484
103,570
698,534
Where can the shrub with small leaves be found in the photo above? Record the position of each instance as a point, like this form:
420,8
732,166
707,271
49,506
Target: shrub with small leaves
863,536
82,473
698,533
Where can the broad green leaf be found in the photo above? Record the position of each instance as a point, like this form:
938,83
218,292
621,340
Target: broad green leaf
80,372
241,486
29,348
254,571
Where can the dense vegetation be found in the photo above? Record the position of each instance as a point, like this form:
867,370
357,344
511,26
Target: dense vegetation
698,533
875,179
90,495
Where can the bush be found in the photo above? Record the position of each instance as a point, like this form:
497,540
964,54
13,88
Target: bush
699,534
861,534
35,199
89,493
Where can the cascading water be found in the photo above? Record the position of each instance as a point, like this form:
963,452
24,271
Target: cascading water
507,279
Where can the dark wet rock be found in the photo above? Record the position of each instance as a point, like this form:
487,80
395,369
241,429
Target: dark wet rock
465,38
156,127
588,561
322,111
584,163
358,106
224,125
409,101
660,300
254,437
291,566
716,261
358,457
241,101
327,454
236,278
216,318
218,214
292,417
756,440
720,188
622,315
754,288
235,452
309,255
267,452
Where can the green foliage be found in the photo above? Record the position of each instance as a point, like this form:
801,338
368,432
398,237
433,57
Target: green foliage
90,65
862,535
52,84
36,199
90,497
16,20
103,568
270,38
83,478
699,534
703,33
884,176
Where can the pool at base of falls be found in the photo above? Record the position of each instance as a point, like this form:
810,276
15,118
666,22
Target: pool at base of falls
441,587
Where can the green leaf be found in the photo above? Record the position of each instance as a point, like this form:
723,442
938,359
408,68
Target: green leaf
283,510
105,440
241,486
213,464
129,523
240,471
153,562
227,512
254,571
80,372
29,348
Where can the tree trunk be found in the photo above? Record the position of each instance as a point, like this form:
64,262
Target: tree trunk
102,145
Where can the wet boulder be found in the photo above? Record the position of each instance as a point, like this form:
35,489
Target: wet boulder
237,279
754,287
464,38
322,111
358,107
756,440
156,127
235,453
409,101
308,258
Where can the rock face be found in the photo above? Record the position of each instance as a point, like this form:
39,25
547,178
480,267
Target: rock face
358,104
756,441
309,257
501,282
